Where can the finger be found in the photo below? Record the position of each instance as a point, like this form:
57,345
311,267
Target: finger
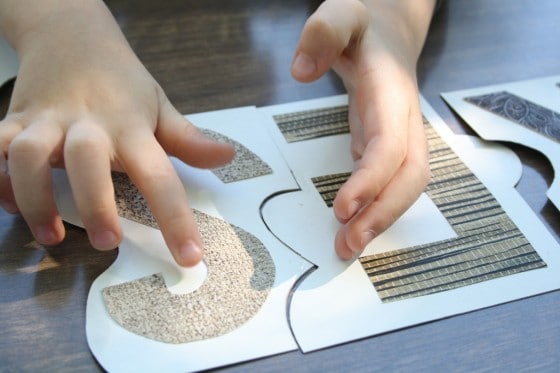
8,130
29,162
87,154
180,138
401,192
380,146
151,171
335,26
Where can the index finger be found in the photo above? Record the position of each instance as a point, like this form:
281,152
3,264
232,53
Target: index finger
150,169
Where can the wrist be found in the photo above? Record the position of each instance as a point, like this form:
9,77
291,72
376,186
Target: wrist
400,26
61,25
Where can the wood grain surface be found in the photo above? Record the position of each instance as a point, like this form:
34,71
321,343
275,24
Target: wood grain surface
210,55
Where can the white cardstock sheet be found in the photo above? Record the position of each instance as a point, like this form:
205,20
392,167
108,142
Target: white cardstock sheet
316,300
544,92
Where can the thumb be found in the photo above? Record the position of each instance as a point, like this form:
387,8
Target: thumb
180,138
334,27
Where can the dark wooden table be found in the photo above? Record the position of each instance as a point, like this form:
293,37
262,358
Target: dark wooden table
214,54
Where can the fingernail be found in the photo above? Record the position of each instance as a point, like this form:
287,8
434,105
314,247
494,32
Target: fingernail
105,240
190,254
353,208
367,237
45,235
303,65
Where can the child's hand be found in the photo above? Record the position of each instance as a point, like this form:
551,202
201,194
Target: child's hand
374,48
84,101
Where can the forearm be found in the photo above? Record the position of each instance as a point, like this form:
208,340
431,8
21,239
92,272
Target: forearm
28,24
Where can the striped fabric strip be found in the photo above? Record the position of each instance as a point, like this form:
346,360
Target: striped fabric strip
328,185
488,244
312,124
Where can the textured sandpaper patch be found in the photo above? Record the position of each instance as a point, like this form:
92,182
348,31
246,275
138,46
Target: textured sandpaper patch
241,274
130,202
245,164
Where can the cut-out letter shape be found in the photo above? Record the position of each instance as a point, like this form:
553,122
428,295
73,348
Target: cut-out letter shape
261,280
498,250
488,246
240,276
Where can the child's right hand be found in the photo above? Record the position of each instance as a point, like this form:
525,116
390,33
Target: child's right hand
373,46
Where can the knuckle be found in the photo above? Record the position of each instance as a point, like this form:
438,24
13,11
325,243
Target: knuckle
28,146
86,142
161,175
98,212
319,25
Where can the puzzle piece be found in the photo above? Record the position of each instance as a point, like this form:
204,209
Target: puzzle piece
522,111
536,107
230,308
289,212
491,248
234,259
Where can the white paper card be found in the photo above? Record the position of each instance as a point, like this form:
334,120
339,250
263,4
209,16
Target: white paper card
331,301
544,92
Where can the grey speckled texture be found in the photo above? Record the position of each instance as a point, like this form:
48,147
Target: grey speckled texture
240,276
245,164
